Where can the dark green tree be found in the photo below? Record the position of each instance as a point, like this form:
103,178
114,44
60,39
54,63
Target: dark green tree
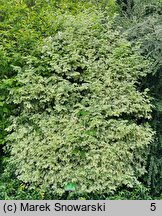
144,28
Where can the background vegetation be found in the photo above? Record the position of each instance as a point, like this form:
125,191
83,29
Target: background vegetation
80,102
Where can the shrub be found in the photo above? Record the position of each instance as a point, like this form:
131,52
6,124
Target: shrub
79,117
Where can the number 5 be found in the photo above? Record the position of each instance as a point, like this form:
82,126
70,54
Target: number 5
153,207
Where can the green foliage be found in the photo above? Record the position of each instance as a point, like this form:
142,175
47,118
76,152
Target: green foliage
79,115
139,192
145,28
12,189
